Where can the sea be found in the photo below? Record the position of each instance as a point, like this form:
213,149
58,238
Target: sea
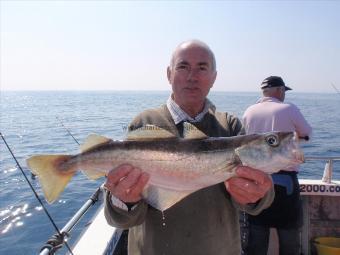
43,122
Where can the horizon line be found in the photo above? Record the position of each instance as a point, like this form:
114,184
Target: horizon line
146,90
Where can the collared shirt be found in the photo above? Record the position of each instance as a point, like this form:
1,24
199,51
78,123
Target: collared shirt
270,114
179,115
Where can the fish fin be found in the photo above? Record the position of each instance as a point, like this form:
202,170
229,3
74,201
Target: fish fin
52,180
161,198
192,132
149,132
93,140
93,175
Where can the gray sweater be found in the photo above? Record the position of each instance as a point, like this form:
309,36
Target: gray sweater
206,222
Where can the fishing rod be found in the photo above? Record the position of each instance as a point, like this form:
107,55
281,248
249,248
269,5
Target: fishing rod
93,199
57,239
60,234
336,89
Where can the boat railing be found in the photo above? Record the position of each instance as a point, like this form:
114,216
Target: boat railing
328,170
57,240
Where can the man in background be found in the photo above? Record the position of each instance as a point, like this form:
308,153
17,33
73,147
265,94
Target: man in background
270,113
205,222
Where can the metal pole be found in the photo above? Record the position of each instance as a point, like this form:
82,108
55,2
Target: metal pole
72,222
328,171
46,251
321,158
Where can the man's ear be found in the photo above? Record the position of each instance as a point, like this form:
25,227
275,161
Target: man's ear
168,74
213,79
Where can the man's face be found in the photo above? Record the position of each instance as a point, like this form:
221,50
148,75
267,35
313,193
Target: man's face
191,75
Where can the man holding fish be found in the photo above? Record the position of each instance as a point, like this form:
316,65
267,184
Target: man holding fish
202,222
184,170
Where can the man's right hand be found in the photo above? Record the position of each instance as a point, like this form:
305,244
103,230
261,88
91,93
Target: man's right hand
126,183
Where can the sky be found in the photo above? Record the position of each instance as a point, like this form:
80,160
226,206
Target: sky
113,45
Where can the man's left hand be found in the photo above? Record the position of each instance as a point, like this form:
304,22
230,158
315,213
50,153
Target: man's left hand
249,185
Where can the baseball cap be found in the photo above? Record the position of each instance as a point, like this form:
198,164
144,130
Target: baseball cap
274,81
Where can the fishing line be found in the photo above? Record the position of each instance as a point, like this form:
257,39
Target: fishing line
336,89
68,131
35,193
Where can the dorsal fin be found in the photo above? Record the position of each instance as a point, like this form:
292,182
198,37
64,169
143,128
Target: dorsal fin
93,140
149,132
192,132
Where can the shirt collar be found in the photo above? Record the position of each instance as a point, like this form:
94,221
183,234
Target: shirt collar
178,115
268,99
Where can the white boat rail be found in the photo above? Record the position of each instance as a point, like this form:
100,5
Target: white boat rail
57,241
328,170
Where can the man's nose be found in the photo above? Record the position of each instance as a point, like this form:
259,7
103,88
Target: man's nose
193,74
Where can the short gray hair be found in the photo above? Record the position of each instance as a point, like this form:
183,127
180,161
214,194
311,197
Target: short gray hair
269,91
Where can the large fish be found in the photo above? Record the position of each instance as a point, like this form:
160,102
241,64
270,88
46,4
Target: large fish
177,166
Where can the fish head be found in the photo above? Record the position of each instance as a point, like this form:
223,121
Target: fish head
271,152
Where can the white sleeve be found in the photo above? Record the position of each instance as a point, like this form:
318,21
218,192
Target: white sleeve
120,204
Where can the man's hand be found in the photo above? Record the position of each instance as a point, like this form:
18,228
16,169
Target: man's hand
126,183
249,185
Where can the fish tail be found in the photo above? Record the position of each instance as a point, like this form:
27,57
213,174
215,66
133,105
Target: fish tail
52,178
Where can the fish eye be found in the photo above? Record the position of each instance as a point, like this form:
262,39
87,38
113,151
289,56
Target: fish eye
272,140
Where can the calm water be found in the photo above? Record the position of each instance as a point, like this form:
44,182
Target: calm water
28,122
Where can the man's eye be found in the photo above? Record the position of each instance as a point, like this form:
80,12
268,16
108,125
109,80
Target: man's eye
182,67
